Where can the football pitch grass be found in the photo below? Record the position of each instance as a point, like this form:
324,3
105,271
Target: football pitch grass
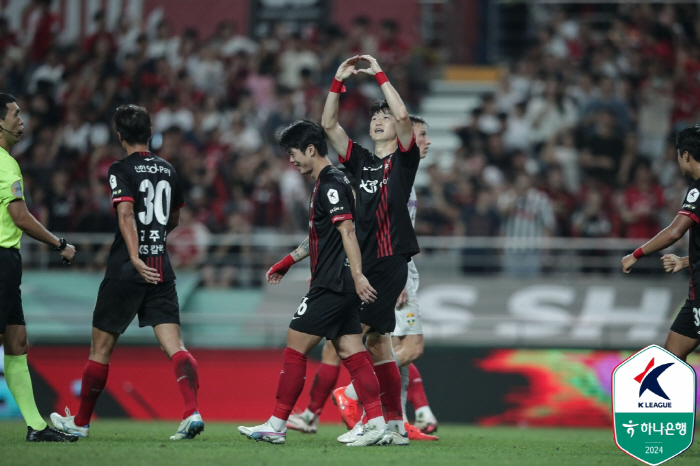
128,443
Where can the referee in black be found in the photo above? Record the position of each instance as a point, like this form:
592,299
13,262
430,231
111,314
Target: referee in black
15,219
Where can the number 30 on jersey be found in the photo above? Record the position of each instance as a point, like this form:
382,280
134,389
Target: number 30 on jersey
157,202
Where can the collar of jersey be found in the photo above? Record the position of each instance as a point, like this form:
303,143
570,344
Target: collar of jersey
142,154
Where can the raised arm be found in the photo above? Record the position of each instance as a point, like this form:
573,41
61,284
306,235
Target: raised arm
277,271
362,287
404,129
665,238
329,120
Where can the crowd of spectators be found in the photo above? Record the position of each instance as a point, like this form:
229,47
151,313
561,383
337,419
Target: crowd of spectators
585,112
216,103
575,140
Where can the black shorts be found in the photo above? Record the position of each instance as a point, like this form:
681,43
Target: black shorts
325,313
11,312
687,321
119,301
388,277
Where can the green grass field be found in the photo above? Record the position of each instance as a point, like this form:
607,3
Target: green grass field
146,443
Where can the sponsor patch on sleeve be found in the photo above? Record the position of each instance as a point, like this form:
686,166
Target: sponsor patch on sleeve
333,196
16,189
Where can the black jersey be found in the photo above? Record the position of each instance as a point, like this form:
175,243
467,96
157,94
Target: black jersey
152,185
331,201
383,186
691,209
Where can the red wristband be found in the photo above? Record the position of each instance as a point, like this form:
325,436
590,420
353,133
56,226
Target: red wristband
381,78
337,86
638,253
282,266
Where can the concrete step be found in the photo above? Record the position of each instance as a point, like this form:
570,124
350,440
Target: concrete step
461,104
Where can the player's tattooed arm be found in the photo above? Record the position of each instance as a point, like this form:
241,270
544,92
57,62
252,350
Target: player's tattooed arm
302,252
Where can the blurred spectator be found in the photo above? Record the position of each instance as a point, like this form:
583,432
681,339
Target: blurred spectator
528,217
187,244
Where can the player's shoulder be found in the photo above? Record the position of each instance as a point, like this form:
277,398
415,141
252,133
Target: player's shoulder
334,176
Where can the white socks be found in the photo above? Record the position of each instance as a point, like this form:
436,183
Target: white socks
277,424
350,392
377,423
397,426
425,413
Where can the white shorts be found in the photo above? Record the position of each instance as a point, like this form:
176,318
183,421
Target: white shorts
408,320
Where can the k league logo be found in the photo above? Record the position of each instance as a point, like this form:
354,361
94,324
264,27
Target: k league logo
650,381
653,401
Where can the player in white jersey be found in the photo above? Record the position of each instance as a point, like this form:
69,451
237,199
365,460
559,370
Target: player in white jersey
408,336
408,346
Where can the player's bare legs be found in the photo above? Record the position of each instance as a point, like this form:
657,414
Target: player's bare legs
408,348
680,345
169,337
15,340
102,345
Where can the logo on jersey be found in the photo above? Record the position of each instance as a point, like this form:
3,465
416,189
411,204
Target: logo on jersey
410,319
693,195
369,186
151,169
16,189
113,181
333,196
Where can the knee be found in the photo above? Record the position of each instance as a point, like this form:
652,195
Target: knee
17,348
100,352
416,353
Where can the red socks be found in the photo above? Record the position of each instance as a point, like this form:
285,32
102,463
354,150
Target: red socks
416,393
291,383
324,382
365,382
390,382
187,378
94,381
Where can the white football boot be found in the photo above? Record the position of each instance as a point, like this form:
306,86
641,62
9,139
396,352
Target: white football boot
353,434
264,432
189,427
304,422
67,424
371,437
399,439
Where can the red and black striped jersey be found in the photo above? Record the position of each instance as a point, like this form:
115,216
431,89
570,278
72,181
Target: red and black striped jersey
383,186
153,186
691,209
332,201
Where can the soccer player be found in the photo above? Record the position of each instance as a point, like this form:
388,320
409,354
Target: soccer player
331,309
139,278
408,346
15,219
684,335
383,183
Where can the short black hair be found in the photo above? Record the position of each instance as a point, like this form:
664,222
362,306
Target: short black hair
689,140
380,106
4,100
133,123
302,133
415,119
